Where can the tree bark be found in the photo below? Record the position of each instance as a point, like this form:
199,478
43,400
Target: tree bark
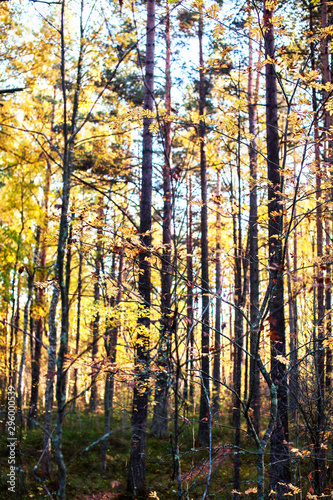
24,349
50,377
160,417
204,413
40,320
95,326
188,385
280,471
217,346
78,322
111,339
253,235
137,464
62,275
239,327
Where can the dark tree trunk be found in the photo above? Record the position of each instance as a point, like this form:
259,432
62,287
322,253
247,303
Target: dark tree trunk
14,329
204,414
24,349
217,346
40,320
78,321
111,339
320,466
239,327
160,418
253,257
280,471
293,343
137,464
36,346
188,383
95,326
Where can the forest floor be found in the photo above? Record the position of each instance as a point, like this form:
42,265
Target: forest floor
85,481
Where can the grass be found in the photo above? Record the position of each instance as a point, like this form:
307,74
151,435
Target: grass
84,477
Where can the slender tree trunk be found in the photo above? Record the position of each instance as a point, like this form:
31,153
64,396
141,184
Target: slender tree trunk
175,450
62,275
24,349
204,413
253,235
320,310
239,327
292,334
279,472
15,324
111,351
97,284
189,391
78,322
36,345
160,418
40,320
217,346
320,466
137,464
50,377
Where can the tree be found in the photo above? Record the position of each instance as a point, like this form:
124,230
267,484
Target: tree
137,468
160,418
279,472
205,411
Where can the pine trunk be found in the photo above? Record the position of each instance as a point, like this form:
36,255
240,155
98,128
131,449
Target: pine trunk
95,326
218,283
160,418
188,384
137,464
239,332
253,257
280,471
205,413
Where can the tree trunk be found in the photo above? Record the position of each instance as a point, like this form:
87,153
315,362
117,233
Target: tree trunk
111,339
292,333
160,418
36,345
239,327
40,320
62,276
279,472
204,413
217,346
78,322
137,464
24,349
52,353
15,323
320,466
188,385
253,236
98,268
